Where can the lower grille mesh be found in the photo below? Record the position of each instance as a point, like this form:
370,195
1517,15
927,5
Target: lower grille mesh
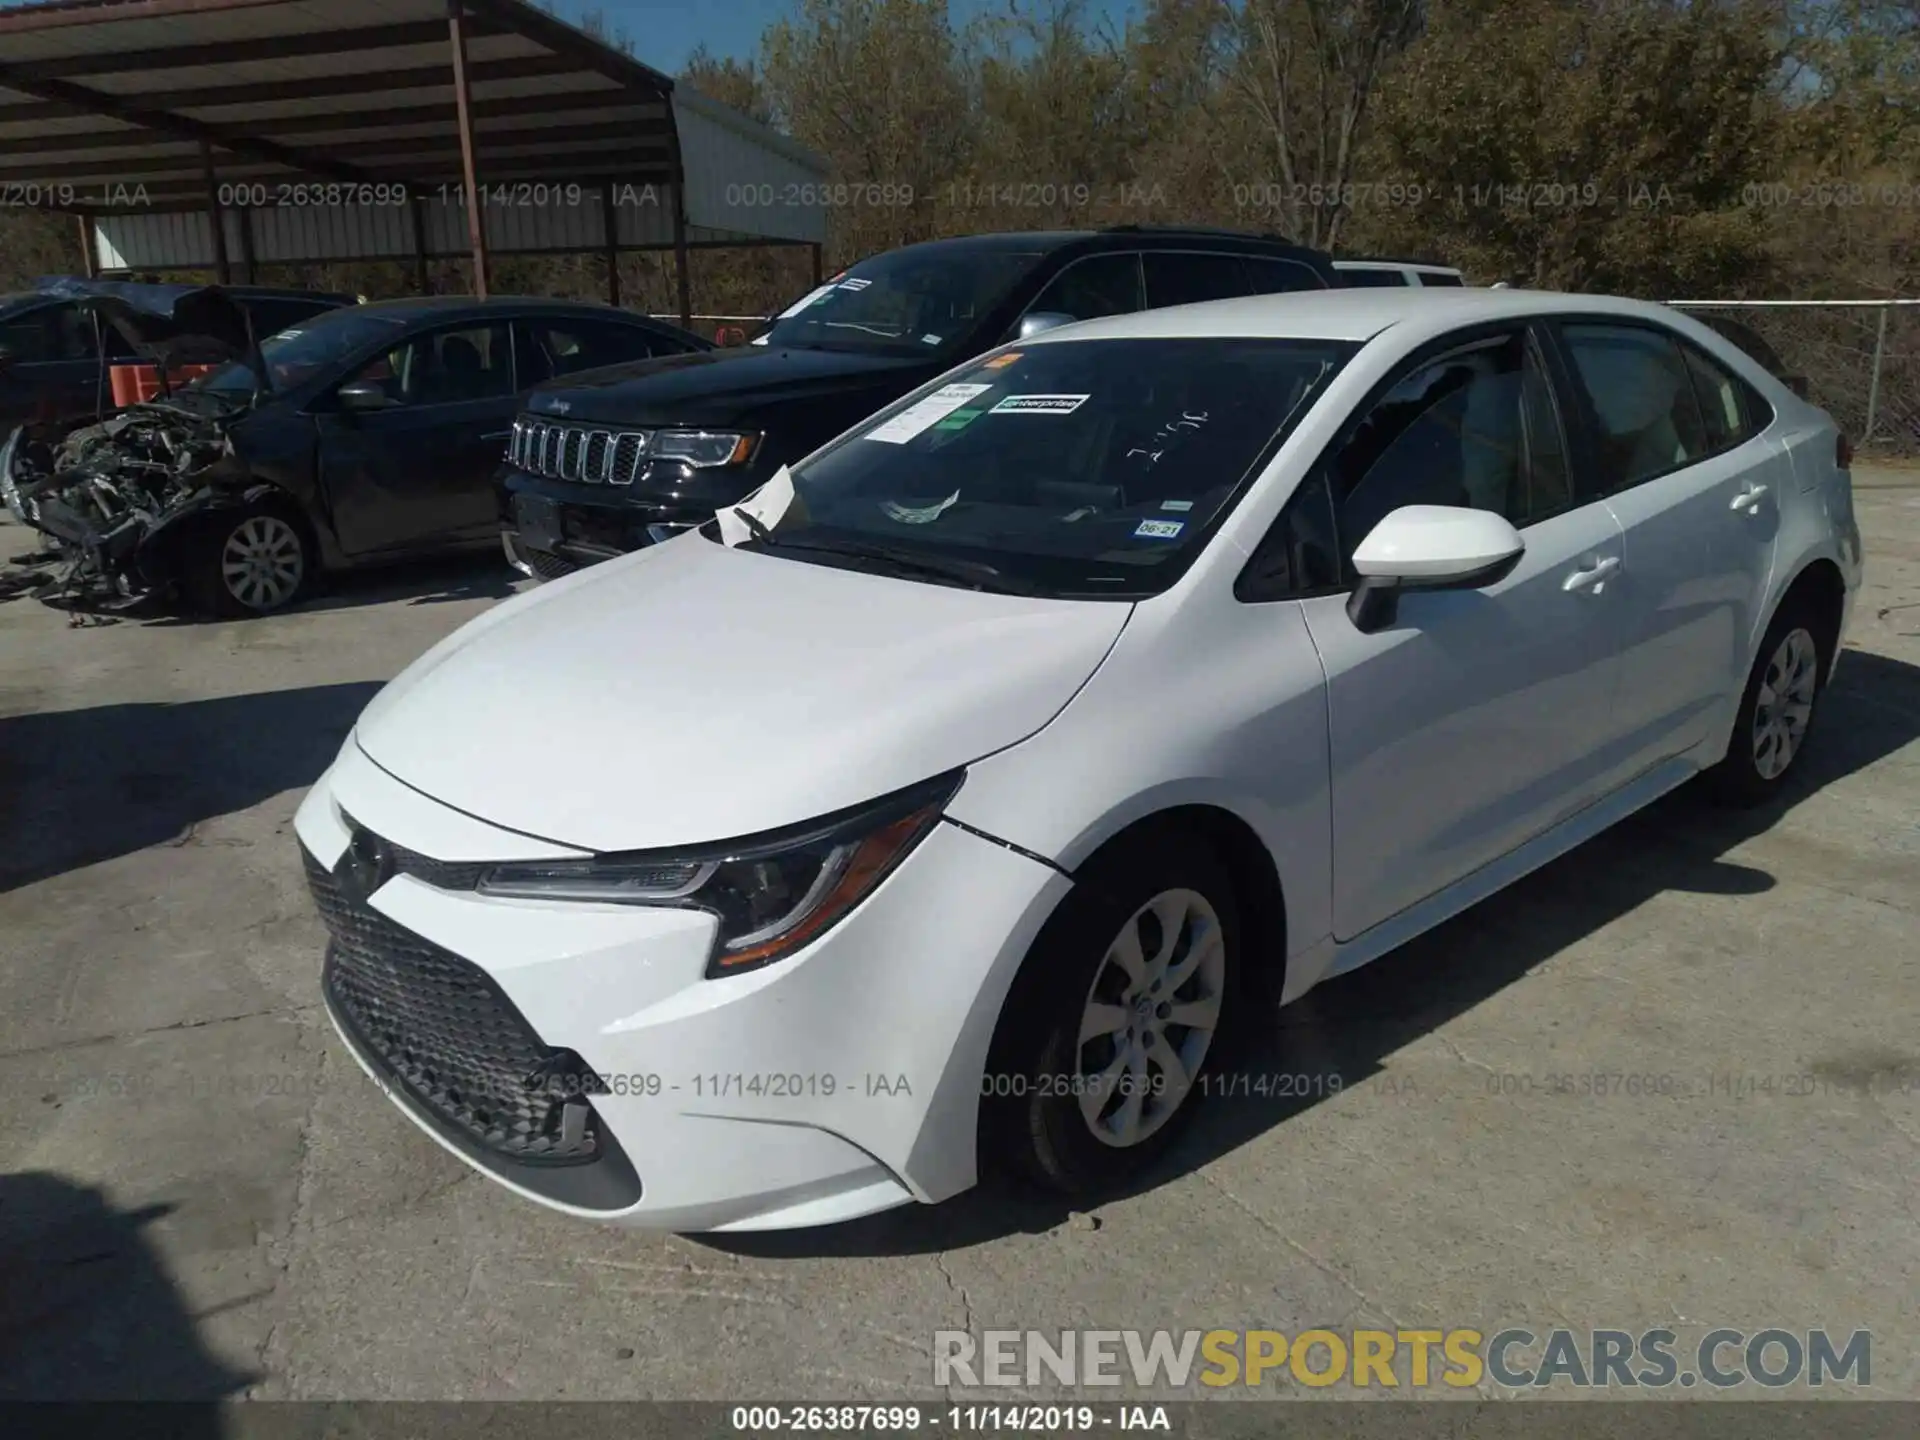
440,1027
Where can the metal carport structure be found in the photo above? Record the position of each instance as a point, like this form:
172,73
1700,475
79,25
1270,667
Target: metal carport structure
227,134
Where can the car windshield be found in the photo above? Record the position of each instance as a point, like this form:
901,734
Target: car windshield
297,354
1072,468
906,302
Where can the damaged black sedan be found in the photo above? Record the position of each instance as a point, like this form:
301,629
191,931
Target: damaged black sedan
365,435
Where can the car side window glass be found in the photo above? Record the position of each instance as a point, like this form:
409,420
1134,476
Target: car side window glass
1099,285
570,347
1266,276
1642,397
1373,279
30,337
1300,555
1546,473
1432,277
445,367
1729,410
1450,433
1178,277
73,332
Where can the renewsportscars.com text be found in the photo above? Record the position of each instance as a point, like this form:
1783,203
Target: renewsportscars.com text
1515,1357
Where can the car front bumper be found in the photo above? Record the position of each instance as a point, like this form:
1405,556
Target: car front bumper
591,523
842,1081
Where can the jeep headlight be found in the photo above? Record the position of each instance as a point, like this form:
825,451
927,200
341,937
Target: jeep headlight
703,449
772,894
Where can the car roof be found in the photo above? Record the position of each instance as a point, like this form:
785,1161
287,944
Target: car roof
416,306
1353,315
1119,237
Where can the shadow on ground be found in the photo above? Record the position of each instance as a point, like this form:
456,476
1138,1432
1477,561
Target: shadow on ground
81,786
87,1311
1347,1027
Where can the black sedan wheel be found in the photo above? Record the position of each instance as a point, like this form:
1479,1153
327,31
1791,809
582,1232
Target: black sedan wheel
253,562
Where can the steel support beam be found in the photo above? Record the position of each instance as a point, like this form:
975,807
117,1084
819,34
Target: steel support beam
463,107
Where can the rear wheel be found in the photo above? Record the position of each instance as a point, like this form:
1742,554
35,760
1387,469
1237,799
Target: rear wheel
1121,1008
1776,709
251,562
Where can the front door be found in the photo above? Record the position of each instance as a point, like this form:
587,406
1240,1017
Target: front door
417,471
1479,718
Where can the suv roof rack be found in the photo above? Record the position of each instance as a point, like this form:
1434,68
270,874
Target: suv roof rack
1221,230
1429,264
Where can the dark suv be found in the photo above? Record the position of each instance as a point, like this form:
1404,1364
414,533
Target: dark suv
611,460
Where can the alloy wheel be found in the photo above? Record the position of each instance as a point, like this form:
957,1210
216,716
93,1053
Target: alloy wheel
1784,703
263,562
1150,1017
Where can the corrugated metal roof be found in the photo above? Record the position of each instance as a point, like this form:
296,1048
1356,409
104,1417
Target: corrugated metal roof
105,106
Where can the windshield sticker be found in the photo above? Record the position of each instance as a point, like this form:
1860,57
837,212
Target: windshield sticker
1040,404
907,515
855,284
929,339
1159,529
812,297
1000,362
959,419
1176,505
924,414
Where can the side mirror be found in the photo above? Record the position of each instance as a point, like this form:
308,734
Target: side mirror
363,395
1429,547
1039,322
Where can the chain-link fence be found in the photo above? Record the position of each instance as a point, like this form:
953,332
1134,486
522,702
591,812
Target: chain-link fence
1859,360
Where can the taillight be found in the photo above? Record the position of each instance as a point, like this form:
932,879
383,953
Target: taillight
1843,453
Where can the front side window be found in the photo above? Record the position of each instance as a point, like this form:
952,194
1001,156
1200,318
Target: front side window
1642,399
1099,285
1476,428
909,302
1179,277
445,367
1084,468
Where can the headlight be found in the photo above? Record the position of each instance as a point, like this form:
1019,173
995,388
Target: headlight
771,894
703,449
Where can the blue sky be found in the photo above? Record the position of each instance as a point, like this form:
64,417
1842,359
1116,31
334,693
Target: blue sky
665,32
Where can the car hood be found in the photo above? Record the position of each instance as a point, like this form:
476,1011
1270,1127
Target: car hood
692,692
718,387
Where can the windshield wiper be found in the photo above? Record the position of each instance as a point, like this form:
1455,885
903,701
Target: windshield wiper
756,527
976,574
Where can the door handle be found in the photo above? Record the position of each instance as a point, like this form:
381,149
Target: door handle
1592,576
1749,499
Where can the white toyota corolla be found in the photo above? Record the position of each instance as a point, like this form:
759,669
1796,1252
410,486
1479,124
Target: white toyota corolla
952,799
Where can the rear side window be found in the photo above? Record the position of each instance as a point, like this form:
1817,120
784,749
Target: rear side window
33,336
1266,276
1642,399
1440,277
270,317
1099,285
1373,279
1185,278
1730,411
563,347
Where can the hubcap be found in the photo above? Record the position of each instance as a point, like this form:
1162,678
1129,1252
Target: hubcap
1150,1016
262,562
1785,703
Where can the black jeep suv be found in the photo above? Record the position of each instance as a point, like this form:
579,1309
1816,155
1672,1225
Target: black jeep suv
607,461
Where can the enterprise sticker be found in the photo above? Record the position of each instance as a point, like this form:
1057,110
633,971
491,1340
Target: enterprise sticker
1159,529
1040,404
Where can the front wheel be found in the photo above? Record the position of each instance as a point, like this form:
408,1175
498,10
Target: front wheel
251,562
1776,710
1105,1043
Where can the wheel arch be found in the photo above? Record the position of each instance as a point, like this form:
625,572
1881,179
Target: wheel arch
1819,585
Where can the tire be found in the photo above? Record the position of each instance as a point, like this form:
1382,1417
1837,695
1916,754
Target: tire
1777,709
1044,1116
249,562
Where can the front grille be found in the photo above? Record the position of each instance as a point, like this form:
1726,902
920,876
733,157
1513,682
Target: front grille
443,1030
577,452
547,565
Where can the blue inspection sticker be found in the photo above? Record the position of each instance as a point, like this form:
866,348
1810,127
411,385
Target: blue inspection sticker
1159,529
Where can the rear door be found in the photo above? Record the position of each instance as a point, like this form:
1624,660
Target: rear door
418,472
1697,494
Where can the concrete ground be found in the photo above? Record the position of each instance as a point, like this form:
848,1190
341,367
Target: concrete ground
201,1195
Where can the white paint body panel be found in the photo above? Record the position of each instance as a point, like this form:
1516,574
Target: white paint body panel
1392,778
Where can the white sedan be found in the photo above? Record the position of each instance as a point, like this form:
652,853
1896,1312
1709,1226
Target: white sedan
952,801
